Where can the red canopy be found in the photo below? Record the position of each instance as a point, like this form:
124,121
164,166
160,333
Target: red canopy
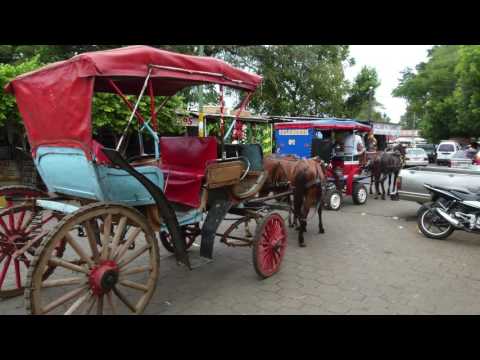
55,101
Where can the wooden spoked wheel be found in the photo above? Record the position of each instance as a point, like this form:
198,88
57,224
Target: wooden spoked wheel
22,229
109,271
18,194
269,245
190,233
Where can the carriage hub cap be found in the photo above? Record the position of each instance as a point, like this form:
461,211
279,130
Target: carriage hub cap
103,277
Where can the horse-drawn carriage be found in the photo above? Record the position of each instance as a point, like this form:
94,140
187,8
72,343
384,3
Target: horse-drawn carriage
309,138
119,205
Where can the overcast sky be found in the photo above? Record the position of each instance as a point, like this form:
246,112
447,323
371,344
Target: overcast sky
389,61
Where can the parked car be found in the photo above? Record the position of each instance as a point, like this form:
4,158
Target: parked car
410,181
465,159
415,157
445,152
431,151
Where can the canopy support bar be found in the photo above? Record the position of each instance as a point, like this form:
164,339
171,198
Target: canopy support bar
125,100
162,104
193,72
242,106
222,124
135,108
152,106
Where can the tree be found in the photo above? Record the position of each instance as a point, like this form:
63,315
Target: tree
359,94
8,106
429,92
297,79
467,92
110,114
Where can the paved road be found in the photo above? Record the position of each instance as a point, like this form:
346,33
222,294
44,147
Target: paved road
371,260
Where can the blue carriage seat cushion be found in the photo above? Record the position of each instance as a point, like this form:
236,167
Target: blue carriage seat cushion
184,160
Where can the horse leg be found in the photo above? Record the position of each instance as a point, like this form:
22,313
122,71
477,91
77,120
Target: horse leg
371,184
290,221
392,177
321,230
382,183
377,187
394,195
302,228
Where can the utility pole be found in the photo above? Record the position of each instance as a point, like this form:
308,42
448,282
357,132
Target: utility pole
202,125
370,93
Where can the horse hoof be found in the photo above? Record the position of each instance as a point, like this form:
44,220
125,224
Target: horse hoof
376,197
302,245
321,231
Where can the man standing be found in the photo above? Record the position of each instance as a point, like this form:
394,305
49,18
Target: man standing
472,150
354,146
371,142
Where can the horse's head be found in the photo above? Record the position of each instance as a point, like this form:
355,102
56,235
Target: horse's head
399,149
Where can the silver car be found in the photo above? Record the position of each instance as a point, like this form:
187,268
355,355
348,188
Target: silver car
416,157
465,159
410,181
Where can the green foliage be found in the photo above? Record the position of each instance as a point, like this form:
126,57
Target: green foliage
297,79
255,133
364,85
467,92
361,92
8,106
110,113
433,94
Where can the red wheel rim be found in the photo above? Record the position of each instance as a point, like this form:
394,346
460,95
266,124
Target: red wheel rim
271,245
190,233
18,227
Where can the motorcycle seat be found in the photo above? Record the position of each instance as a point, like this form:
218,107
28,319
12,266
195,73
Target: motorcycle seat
460,193
466,195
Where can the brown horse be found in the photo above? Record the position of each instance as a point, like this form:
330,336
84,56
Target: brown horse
307,177
375,172
387,164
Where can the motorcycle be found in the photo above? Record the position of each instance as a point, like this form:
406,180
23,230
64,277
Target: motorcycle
449,210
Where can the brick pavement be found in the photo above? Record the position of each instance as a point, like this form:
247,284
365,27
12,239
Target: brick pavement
371,260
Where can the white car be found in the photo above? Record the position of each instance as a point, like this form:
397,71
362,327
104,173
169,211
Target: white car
416,157
445,152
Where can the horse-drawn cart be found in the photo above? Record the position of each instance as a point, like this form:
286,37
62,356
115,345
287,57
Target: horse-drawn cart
184,190
309,138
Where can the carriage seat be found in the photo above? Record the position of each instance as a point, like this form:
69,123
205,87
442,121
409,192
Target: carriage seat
256,176
184,160
98,154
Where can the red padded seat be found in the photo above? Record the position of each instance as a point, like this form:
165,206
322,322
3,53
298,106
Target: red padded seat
184,160
98,154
